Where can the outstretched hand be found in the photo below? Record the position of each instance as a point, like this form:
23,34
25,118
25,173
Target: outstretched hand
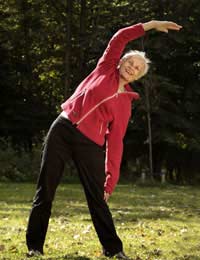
165,26
161,26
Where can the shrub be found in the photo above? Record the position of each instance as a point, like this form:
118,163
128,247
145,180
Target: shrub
18,165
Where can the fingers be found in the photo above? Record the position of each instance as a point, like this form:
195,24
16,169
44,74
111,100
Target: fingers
173,26
106,196
165,26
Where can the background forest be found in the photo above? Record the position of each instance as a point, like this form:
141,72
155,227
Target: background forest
47,47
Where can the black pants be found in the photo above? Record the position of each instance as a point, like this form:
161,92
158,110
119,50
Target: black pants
62,142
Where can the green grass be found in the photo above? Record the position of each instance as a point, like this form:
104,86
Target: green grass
155,223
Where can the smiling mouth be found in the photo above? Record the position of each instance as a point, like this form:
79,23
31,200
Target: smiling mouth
129,72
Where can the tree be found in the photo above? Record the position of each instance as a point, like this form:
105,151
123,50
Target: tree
48,47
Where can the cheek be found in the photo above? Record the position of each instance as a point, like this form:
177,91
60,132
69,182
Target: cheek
137,72
121,68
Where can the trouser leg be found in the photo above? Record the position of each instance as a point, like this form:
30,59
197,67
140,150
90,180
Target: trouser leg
90,162
55,154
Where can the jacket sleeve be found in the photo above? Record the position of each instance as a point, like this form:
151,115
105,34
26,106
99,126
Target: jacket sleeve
118,42
114,150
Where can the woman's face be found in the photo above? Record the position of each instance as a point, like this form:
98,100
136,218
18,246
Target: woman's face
131,68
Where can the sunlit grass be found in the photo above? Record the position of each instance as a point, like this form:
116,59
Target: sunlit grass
155,223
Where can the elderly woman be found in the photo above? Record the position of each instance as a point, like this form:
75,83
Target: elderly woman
98,112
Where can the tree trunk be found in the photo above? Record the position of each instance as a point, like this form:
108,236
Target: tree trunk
28,80
69,7
82,37
27,75
149,130
148,108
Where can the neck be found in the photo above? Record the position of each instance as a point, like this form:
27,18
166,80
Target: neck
121,86
122,82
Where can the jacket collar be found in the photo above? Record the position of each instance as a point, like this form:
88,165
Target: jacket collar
133,94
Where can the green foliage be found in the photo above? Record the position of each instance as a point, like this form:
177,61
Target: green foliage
18,166
23,166
48,47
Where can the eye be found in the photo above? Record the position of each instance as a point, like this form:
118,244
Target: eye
131,63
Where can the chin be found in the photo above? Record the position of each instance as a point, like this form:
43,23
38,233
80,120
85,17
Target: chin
125,77
129,80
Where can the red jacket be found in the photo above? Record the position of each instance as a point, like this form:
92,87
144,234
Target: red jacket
96,108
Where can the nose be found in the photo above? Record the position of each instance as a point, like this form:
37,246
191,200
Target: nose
133,66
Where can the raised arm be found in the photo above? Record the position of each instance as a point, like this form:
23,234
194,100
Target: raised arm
116,45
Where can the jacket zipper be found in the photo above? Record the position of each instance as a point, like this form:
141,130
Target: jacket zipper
97,105
77,96
101,128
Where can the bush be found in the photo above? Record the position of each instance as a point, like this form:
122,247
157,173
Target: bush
18,165
23,166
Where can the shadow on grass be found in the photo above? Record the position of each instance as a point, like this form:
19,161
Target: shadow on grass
130,203
70,257
67,257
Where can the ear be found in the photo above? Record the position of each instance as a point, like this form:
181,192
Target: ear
119,64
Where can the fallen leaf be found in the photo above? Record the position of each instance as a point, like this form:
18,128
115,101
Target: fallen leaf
2,247
76,236
87,230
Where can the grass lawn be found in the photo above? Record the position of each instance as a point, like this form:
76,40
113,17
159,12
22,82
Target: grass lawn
155,223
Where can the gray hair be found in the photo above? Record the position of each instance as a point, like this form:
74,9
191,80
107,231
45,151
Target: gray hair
140,54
